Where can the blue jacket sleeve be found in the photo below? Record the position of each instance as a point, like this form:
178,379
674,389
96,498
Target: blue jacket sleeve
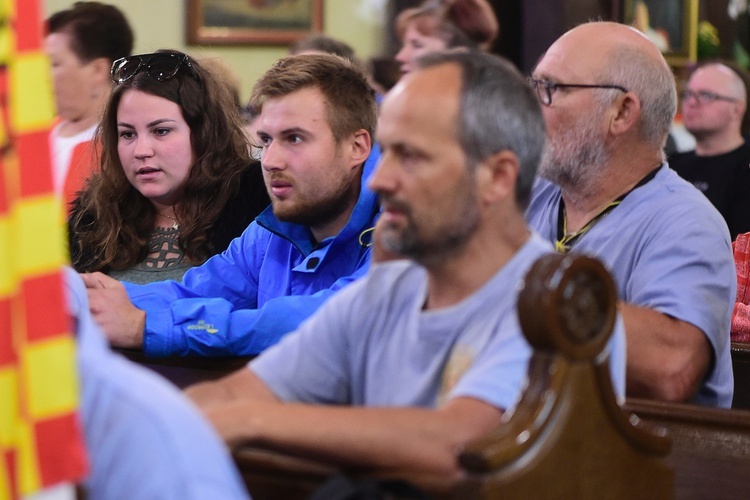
232,276
214,311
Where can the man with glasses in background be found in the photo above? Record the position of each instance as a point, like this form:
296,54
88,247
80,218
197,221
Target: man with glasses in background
713,107
605,190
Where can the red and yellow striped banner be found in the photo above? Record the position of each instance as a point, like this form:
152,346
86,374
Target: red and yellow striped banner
40,439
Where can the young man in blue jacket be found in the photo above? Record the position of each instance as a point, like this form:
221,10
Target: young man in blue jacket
317,116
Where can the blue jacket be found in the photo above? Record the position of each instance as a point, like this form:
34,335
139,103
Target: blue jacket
263,286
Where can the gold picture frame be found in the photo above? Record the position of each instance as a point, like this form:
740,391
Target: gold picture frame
671,24
248,22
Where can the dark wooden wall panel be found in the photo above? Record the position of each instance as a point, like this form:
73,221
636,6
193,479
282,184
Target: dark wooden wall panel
527,27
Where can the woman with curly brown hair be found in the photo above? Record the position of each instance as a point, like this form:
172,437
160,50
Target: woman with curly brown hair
176,183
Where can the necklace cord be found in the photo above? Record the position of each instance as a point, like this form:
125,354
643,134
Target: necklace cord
175,223
565,241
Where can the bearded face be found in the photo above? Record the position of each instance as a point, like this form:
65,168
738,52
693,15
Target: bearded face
575,151
431,233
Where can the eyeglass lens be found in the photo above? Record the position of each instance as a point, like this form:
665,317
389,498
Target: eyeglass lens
542,90
704,96
163,67
128,67
545,93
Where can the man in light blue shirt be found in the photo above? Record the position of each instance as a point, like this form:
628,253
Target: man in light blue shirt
607,192
144,439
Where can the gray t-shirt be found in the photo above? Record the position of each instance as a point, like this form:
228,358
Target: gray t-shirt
668,249
373,345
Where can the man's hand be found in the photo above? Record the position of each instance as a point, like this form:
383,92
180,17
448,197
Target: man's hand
122,322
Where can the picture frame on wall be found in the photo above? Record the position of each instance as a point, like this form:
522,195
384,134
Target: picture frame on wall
671,24
252,22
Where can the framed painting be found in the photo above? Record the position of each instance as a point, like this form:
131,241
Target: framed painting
671,24
260,22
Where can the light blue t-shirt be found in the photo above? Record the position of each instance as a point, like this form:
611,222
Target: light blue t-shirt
374,345
668,249
144,439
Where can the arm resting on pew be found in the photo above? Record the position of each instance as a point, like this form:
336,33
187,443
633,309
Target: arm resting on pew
243,385
385,439
668,359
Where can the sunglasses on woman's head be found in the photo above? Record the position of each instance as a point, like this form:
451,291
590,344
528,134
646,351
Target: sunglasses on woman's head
160,66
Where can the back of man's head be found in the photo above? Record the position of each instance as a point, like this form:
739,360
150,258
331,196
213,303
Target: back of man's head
471,24
744,77
350,101
322,44
653,82
498,111
735,77
95,29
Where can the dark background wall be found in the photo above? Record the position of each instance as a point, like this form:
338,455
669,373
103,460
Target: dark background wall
527,27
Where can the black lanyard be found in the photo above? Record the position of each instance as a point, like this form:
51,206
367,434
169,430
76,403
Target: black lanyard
565,241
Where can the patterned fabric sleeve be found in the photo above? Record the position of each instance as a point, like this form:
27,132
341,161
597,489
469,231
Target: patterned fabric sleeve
741,314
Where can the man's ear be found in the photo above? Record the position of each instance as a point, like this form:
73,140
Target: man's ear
739,109
497,175
627,113
360,146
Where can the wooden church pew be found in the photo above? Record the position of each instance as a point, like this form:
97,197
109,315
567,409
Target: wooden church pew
183,371
567,437
710,447
710,457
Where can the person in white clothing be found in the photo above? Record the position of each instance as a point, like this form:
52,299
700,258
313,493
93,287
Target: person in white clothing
81,42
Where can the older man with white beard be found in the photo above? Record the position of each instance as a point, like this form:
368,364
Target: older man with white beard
607,191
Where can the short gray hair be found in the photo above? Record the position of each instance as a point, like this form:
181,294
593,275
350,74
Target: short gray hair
654,84
498,111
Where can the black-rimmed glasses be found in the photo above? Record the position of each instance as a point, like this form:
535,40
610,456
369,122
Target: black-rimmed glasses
159,66
704,96
544,88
